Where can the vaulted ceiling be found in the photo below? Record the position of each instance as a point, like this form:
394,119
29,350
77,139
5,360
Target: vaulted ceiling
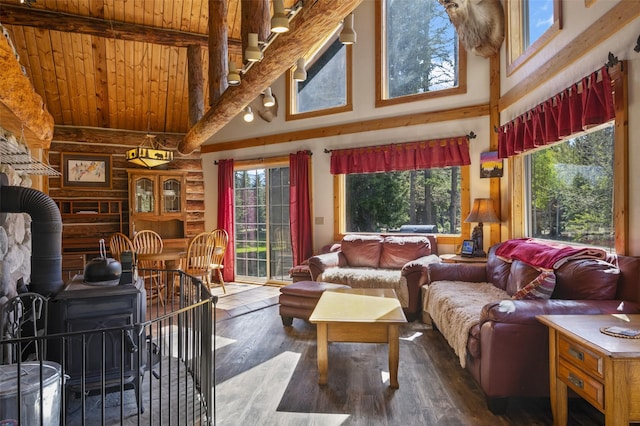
124,64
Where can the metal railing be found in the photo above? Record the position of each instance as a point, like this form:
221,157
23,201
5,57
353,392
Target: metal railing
157,370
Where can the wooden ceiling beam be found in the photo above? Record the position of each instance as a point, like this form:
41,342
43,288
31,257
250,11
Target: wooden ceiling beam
66,22
308,27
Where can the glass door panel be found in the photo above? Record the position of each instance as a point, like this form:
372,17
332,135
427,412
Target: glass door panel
145,199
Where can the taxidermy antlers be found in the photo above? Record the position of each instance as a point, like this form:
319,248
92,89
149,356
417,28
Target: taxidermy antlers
479,23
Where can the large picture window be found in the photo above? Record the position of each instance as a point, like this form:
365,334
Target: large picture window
570,190
419,58
384,202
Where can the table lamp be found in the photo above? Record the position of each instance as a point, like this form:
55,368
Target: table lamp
481,211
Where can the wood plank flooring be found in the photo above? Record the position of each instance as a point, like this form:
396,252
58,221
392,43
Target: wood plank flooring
266,374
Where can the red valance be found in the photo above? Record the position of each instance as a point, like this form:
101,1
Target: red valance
406,156
585,104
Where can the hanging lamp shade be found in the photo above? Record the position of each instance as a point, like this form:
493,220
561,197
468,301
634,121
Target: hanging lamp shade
279,21
300,74
348,34
148,155
253,53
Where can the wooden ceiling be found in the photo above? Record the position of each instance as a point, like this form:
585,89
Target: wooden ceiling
116,64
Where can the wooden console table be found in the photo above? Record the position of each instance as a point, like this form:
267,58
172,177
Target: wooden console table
602,369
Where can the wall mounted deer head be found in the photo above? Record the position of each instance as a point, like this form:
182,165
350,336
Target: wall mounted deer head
479,23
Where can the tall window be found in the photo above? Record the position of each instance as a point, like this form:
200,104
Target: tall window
262,234
570,188
419,52
383,202
532,23
327,89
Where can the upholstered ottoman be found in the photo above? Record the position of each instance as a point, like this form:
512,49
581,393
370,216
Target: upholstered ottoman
298,300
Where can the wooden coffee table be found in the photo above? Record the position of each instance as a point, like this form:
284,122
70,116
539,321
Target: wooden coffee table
361,315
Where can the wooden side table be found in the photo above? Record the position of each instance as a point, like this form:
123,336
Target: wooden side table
456,258
602,369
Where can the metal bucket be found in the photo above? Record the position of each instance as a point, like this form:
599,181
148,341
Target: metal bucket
30,391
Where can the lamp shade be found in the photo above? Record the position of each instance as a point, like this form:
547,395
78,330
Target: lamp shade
233,78
300,74
348,34
482,211
268,100
149,157
279,21
253,53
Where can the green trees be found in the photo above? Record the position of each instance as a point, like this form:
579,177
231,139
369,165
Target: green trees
378,202
571,187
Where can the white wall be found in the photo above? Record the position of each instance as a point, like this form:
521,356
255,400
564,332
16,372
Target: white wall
576,19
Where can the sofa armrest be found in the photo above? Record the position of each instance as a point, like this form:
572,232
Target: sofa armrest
525,311
420,265
320,262
476,273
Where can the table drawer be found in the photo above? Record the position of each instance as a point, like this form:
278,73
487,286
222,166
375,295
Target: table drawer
583,384
580,356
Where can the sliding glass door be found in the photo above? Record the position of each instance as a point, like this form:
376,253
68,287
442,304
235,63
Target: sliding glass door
262,234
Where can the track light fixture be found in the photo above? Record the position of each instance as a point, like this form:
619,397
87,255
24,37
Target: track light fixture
253,53
233,78
248,114
279,21
267,99
300,74
348,34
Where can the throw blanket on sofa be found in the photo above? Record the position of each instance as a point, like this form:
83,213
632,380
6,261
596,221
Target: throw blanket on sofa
455,307
369,278
544,254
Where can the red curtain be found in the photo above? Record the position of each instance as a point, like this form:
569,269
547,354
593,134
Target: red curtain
225,215
300,206
398,157
585,104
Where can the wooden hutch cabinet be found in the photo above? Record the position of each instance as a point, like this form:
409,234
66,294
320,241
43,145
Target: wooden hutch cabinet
157,201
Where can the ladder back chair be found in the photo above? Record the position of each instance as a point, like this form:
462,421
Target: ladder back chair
150,242
118,243
220,239
199,255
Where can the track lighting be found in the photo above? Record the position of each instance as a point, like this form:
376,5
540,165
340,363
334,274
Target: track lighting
267,99
279,21
233,78
300,74
348,34
248,114
253,52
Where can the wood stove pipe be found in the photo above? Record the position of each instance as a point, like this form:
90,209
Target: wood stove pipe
46,234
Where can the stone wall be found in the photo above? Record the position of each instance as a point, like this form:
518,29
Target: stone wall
15,233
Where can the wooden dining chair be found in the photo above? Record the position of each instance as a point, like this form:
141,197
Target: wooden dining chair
220,239
119,243
199,256
150,242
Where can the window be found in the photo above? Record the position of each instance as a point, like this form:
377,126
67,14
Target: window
532,23
383,202
262,234
419,58
570,190
327,89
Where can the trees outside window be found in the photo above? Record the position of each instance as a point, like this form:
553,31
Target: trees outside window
419,49
570,188
382,202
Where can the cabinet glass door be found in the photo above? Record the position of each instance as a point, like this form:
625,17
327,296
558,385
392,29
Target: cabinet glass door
171,196
145,198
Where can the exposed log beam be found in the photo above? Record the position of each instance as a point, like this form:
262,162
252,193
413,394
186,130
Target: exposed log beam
218,50
111,137
308,27
196,84
66,22
22,111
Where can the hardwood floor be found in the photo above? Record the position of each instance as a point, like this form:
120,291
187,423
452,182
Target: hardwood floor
267,374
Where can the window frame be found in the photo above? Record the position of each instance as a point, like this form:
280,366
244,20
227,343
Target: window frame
516,53
339,209
381,70
290,85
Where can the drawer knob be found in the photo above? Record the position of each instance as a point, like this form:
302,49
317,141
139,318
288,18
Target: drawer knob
579,355
575,380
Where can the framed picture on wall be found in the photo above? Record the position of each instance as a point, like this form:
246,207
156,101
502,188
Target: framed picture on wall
85,170
490,165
